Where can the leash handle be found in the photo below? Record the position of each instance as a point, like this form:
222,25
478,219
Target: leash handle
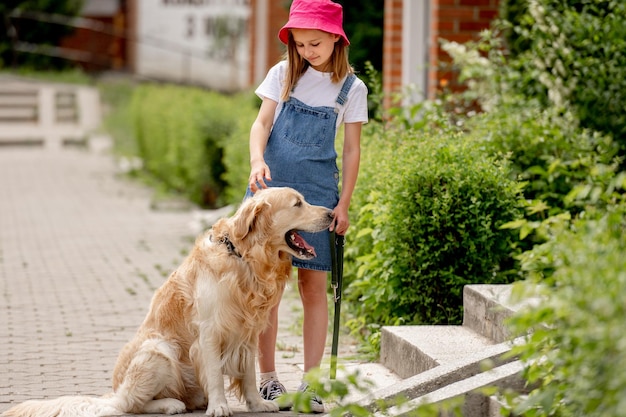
337,243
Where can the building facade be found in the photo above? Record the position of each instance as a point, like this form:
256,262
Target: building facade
199,42
228,45
412,55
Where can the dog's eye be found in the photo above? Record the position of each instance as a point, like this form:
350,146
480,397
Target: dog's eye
298,203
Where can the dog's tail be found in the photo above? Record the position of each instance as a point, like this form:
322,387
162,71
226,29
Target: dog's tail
70,406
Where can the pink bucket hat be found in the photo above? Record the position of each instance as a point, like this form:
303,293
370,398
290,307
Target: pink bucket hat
322,15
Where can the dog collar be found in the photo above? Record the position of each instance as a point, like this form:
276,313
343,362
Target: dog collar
229,245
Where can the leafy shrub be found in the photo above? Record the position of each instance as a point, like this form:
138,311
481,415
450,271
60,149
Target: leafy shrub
565,57
573,54
236,156
575,347
546,149
181,134
429,214
116,96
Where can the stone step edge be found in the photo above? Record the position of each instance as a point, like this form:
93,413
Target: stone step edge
410,350
443,375
507,375
487,307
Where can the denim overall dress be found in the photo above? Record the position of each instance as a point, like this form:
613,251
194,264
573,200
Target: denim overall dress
301,154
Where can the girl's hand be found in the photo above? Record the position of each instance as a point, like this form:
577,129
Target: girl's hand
259,172
341,222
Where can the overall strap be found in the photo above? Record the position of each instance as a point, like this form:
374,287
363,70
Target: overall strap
343,94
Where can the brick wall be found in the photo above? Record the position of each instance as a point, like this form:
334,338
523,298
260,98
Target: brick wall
277,16
392,49
454,20
459,21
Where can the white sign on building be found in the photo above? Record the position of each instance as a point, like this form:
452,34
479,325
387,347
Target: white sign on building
204,42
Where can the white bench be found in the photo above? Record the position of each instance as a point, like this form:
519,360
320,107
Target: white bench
47,114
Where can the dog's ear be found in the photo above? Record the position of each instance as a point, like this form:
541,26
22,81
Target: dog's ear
220,228
252,215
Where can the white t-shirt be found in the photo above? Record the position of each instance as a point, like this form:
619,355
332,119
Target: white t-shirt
316,89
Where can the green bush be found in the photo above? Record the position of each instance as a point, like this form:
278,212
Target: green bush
430,208
116,96
546,149
236,156
573,54
181,134
575,346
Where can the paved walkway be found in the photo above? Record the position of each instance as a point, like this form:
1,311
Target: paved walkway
81,253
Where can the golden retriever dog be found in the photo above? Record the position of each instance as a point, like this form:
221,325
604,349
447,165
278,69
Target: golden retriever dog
205,320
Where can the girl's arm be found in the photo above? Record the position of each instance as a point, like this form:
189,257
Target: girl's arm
350,161
259,134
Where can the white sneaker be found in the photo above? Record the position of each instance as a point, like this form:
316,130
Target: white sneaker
317,406
272,390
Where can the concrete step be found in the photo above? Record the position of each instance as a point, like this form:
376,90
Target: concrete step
410,350
476,404
486,309
379,376
438,362
447,373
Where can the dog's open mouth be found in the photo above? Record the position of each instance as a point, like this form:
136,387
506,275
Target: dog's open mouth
299,245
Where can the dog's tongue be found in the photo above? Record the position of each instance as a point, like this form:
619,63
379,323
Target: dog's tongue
298,240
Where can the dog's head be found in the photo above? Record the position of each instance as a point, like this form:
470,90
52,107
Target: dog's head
273,217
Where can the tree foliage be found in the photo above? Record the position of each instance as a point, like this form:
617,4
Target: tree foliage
572,54
20,33
363,23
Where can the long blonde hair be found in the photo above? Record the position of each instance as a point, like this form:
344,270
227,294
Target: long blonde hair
296,65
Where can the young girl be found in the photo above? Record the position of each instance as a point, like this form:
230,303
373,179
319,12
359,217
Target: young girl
306,98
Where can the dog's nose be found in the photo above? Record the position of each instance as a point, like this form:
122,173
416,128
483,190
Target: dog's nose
331,215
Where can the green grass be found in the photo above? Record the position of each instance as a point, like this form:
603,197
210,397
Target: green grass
75,76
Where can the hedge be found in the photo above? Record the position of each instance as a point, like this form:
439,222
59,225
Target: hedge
181,134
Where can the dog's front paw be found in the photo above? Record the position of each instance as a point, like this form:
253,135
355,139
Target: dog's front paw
263,406
220,410
174,407
165,406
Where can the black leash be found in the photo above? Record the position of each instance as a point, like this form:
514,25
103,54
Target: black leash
336,251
